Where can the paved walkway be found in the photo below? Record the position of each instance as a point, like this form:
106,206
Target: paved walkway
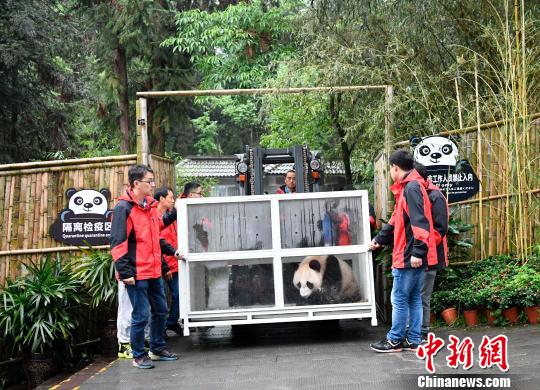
315,355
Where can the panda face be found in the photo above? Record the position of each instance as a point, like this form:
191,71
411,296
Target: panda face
307,278
88,202
436,151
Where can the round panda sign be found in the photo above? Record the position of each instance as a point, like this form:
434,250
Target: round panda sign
456,179
86,220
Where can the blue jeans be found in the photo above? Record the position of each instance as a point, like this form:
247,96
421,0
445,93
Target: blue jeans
407,303
174,312
147,296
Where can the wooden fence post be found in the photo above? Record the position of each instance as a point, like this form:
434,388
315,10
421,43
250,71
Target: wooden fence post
143,150
388,142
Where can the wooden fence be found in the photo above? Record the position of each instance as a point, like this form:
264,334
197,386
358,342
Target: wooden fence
492,210
32,195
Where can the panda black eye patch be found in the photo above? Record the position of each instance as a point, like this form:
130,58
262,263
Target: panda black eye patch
298,285
424,150
309,285
97,200
78,200
447,149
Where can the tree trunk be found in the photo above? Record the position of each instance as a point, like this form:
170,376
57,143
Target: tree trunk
334,106
120,68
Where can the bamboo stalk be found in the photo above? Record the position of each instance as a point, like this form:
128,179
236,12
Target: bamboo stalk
75,161
67,168
43,209
458,98
18,252
3,211
160,158
494,197
10,213
479,159
20,211
260,91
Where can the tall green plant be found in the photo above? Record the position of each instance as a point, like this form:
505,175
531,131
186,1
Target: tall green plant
458,244
96,272
40,308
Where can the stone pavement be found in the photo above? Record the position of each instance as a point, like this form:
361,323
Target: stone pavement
317,355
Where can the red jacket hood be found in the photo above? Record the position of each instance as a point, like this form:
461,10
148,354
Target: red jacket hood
130,197
410,176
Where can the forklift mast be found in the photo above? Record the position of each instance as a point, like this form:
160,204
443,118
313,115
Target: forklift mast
250,167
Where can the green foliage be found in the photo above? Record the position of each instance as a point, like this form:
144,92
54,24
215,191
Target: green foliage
229,122
468,297
298,119
235,46
526,283
441,300
38,308
458,242
496,282
207,131
95,271
206,182
39,89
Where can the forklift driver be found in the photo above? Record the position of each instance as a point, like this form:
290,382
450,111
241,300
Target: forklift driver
290,183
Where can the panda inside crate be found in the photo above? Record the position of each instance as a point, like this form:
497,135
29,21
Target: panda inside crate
316,280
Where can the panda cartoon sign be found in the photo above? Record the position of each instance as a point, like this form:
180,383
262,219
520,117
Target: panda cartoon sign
440,157
86,220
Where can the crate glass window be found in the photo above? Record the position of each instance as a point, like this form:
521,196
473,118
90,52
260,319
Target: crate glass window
307,223
229,227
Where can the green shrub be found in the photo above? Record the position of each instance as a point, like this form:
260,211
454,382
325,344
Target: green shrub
526,283
97,274
468,297
38,309
441,300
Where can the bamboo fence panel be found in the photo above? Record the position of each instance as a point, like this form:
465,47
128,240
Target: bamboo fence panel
493,204
32,195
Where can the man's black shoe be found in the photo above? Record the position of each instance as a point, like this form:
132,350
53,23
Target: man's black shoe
387,346
408,346
176,328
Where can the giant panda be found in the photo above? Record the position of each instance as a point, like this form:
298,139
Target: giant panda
325,280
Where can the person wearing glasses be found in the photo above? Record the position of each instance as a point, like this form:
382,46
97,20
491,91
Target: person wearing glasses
135,248
192,190
171,254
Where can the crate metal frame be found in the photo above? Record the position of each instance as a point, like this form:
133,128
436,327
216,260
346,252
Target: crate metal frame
280,312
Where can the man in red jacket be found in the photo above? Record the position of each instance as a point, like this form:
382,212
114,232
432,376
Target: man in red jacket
438,259
136,251
409,229
169,246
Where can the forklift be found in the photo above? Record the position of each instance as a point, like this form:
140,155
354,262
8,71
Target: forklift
250,167
247,283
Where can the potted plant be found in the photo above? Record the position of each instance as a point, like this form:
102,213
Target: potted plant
96,272
527,283
485,300
37,311
469,301
508,300
443,301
